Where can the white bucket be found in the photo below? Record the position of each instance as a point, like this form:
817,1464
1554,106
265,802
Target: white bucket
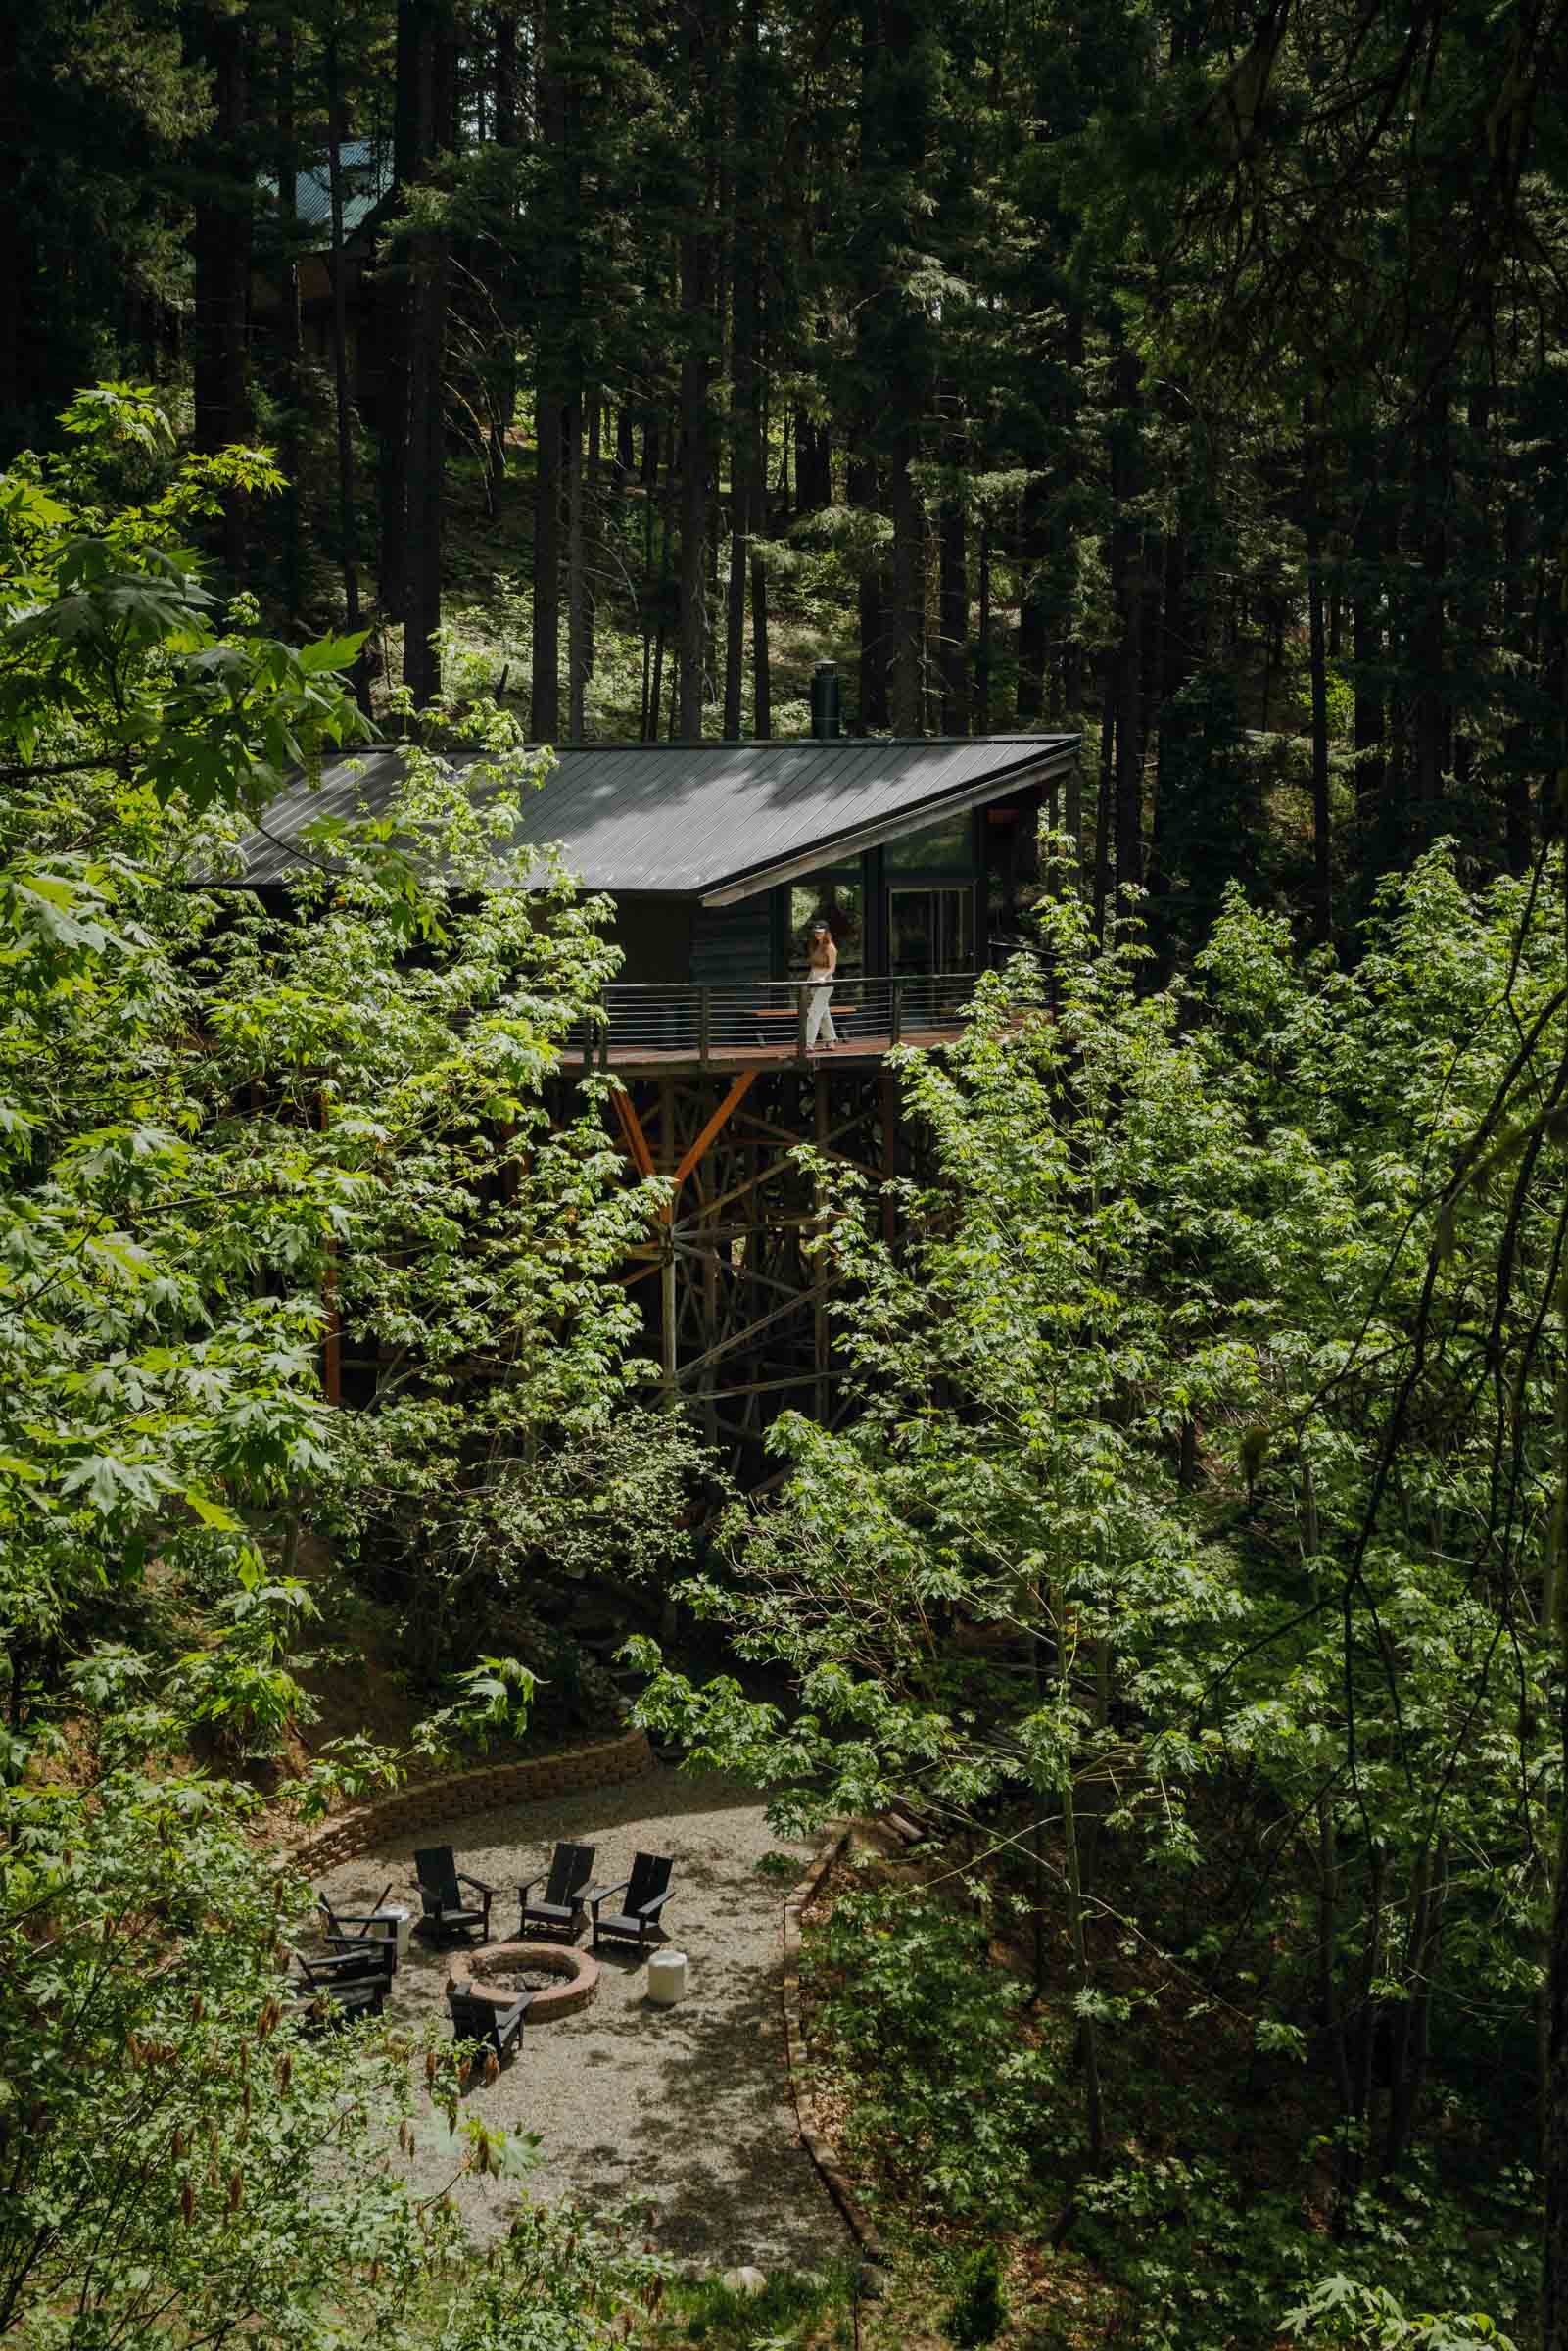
666,1978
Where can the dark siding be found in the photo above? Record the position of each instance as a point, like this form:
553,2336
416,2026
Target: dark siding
654,935
732,944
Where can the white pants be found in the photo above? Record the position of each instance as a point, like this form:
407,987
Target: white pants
818,1017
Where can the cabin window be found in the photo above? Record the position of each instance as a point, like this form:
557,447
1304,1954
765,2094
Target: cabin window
944,848
930,930
838,899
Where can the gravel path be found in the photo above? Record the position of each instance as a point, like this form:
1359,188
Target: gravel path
687,2108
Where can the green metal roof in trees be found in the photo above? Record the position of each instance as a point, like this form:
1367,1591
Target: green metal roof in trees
714,821
366,180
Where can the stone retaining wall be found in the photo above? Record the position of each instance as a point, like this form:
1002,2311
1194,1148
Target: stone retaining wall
433,1803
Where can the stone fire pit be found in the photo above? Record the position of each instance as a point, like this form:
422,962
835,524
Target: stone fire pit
569,1978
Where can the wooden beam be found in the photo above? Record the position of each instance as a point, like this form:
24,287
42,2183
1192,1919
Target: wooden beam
669,1317
737,1094
753,1330
631,1128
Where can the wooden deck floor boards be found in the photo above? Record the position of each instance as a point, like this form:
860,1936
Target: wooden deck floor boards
666,1060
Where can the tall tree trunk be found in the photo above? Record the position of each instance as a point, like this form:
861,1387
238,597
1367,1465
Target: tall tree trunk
18,268
576,577
909,590
421,665
593,514
544,699
220,243
1032,600
699,33
398,297
761,658
290,338
1127,581
745,444
1432,705
983,646
814,471
348,521
954,599
870,607
1368,718
1317,666
549,405
433,92
1103,794
1518,530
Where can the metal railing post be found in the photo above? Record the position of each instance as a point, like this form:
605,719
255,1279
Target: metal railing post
895,1012
704,1024
802,993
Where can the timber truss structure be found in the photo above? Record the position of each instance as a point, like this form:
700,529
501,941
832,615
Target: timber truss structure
735,1303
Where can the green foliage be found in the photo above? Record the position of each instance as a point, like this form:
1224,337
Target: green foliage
223,1124
1203,1444
494,1700
180,2159
242,1686
960,2106
1339,2310
787,2311
978,2310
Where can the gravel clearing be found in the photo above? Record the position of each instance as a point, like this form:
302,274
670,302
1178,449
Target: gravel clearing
689,2108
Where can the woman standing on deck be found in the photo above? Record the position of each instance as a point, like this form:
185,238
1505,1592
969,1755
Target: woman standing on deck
822,961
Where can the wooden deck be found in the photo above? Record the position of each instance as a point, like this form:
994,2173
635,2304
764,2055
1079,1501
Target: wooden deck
648,1061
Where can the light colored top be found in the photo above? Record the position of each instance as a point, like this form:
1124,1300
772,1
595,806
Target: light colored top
822,958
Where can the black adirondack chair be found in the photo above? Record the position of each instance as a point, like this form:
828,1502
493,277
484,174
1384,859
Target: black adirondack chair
646,1891
446,1914
342,1929
494,2028
561,1909
352,1983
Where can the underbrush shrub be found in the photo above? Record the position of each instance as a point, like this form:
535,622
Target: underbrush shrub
956,2099
977,2313
1208,2262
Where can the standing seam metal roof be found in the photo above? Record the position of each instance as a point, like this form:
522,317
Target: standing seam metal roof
710,820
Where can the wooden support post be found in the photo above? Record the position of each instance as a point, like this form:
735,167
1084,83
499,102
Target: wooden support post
637,1151
889,1088
668,1325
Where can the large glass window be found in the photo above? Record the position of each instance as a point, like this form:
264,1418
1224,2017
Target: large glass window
838,899
930,930
944,848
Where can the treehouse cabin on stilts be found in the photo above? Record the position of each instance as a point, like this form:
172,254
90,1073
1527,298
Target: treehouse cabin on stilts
721,859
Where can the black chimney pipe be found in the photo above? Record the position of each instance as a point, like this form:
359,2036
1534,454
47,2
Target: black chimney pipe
825,720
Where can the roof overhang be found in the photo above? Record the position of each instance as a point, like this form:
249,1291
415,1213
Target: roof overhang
1058,759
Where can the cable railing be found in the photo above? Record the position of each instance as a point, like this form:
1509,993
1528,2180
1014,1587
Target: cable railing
696,1020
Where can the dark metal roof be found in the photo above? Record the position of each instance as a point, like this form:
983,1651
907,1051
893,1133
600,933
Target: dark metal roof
367,169
709,819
